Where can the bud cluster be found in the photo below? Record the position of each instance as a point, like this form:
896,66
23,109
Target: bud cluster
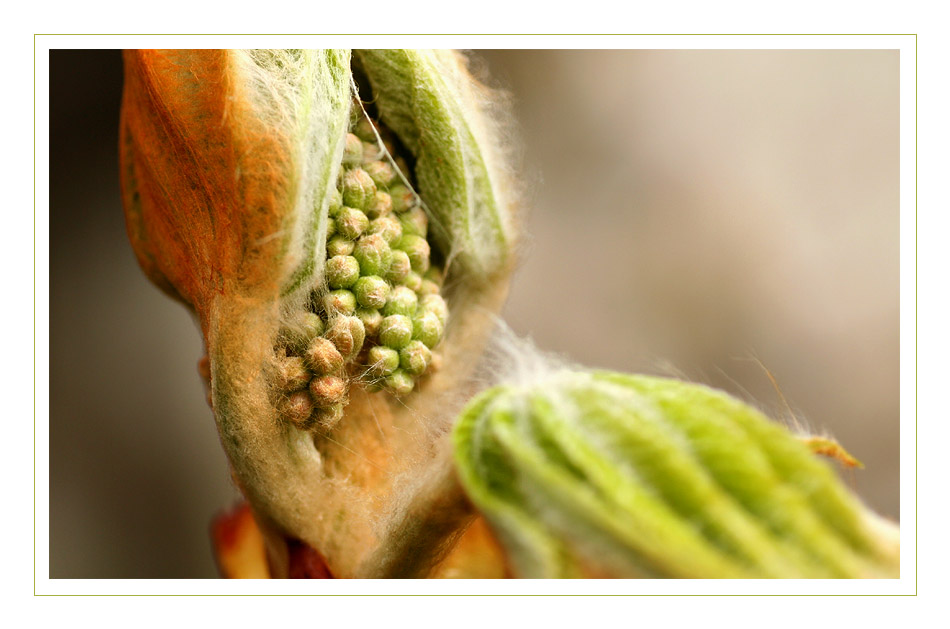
380,315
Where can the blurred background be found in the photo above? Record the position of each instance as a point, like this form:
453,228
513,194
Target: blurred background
710,214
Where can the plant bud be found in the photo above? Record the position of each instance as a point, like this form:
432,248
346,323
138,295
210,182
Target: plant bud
351,222
436,305
371,318
327,418
374,255
291,373
381,172
427,328
381,205
634,475
348,334
400,383
417,249
327,390
395,331
371,291
352,151
402,301
428,287
415,358
296,408
400,267
382,360
323,357
414,221
297,333
387,227
365,130
340,246
402,198
339,301
342,271
358,188
413,282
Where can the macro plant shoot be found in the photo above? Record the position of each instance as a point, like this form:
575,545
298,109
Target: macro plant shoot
354,235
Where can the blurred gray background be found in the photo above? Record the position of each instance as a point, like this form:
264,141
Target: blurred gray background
704,213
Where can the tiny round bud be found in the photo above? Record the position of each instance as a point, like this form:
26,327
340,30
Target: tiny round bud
323,357
327,390
358,188
403,198
434,274
400,267
352,151
417,249
436,305
388,227
291,373
395,331
413,281
372,152
427,328
342,271
351,222
374,255
296,333
415,221
348,334
400,382
336,203
415,358
339,301
382,360
381,172
365,130
428,287
328,418
339,246
371,318
296,408
380,205
371,291
402,301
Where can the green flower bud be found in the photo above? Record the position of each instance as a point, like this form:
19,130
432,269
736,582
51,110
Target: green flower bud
414,358
358,188
402,198
296,408
365,130
427,328
395,331
342,271
336,203
372,152
371,291
291,373
382,360
434,275
297,333
414,221
388,227
400,382
327,390
347,334
413,281
323,357
371,318
352,151
327,418
634,475
402,301
381,172
351,222
381,205
400,268
428,287
339,302
374,255
417,249
340,246
436,305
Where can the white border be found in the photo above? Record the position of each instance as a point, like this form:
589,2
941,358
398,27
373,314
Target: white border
905,585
